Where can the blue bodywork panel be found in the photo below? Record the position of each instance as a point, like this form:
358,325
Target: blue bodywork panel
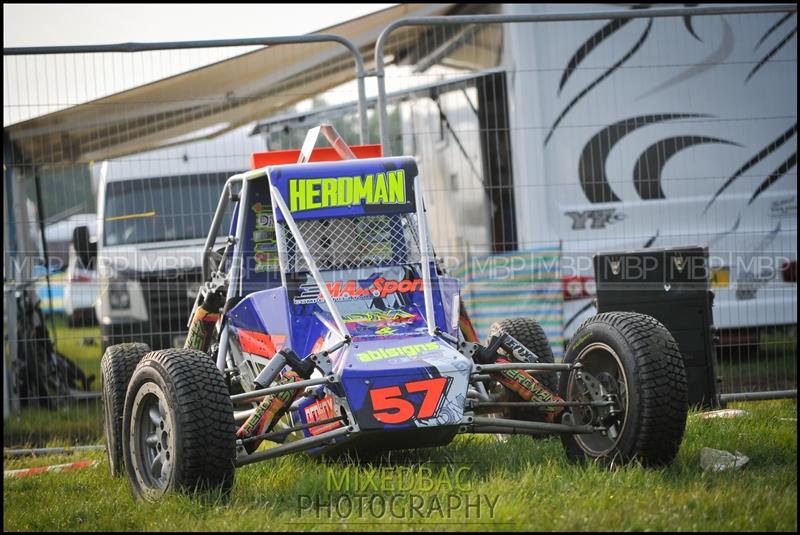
378,364
263,312
300,314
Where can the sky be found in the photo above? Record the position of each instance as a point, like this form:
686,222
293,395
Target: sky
80,24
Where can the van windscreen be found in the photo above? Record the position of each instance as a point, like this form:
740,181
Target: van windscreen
162,208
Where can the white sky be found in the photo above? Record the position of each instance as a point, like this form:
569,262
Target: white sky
78,24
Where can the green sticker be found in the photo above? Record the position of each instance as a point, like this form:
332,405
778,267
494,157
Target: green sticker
582,339
267,266
266,246
264,236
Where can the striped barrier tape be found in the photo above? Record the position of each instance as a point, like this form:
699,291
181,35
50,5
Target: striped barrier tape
25,472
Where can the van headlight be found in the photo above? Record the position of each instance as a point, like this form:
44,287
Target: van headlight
118,296
117,288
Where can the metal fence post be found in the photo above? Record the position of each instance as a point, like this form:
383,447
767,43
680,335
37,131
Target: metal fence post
10,276
383,120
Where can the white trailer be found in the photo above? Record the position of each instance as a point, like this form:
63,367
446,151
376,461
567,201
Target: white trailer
661,132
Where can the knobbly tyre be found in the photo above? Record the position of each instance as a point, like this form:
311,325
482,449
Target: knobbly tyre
323,326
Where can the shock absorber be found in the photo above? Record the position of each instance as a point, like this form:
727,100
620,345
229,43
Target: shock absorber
521,382
201,329
274,406
270,410
528,388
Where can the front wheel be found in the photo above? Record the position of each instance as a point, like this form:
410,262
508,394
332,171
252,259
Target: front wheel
633,375
179,426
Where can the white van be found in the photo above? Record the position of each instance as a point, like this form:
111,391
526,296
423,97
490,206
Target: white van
154,212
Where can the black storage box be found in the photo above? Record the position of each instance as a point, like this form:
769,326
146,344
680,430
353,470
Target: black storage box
673,286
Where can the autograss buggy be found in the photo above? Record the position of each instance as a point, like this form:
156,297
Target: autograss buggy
324,326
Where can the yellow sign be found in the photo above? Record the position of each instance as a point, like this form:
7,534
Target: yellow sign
316,193
720,278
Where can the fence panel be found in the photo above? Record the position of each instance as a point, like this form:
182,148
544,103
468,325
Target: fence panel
129,145
609,134
539,144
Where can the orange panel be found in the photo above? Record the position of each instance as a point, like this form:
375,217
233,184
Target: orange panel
321,154
260,343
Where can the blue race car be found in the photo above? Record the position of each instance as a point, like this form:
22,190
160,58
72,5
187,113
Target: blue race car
324,326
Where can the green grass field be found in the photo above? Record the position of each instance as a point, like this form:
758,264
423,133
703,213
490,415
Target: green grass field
529,483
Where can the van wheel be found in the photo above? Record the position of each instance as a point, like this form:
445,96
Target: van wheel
179,426
632,367
117,367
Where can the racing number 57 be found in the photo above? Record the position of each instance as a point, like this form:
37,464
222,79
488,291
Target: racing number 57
391,407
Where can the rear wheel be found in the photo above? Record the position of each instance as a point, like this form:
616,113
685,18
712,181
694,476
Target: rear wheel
117,367
530,334
633,373
178,424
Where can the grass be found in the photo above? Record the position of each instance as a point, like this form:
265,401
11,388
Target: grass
778,341
531,484
81,422
77,423
758,373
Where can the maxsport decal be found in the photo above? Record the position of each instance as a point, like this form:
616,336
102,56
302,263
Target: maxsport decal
344,290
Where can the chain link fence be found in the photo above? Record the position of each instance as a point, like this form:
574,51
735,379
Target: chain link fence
115,158
539,144
544,142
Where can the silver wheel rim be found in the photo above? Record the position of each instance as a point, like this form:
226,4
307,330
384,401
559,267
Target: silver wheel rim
152,438
604,366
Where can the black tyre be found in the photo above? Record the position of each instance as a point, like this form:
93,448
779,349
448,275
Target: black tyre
632,360
117,367
529,333
178,425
